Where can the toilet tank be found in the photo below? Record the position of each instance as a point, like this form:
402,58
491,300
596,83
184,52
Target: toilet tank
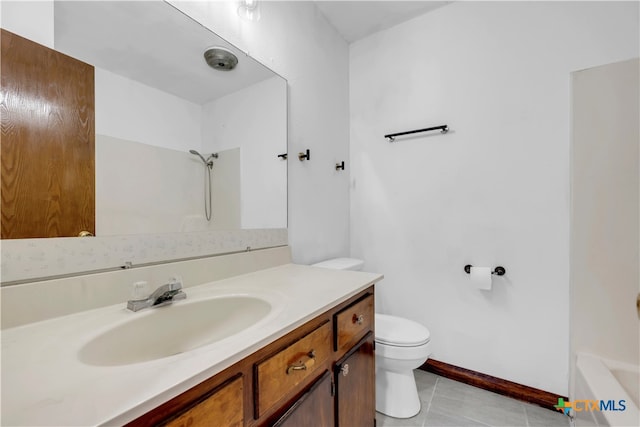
341,264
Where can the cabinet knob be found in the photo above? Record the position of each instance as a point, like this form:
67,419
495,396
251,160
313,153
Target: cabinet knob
303,366
345,369
359,319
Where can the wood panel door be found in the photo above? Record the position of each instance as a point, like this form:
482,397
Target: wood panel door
356,387
48,142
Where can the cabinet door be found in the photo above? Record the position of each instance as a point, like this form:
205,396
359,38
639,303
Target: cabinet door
222,408
314,408
355,386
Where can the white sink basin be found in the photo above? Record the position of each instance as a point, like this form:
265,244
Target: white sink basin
165,331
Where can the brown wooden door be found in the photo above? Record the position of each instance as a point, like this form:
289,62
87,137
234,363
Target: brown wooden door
355,386
314,408
48,142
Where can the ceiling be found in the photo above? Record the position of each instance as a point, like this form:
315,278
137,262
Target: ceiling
357,19
96,31
165,52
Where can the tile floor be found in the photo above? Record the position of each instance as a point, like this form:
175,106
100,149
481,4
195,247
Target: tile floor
450,403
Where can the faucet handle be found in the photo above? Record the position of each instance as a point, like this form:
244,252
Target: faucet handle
175,283
140,290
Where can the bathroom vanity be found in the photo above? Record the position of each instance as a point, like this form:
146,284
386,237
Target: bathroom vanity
309,356
322,373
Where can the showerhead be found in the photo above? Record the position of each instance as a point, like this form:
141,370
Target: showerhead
199,155
220,58
208,161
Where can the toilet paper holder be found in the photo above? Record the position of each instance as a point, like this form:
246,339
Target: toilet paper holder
498,271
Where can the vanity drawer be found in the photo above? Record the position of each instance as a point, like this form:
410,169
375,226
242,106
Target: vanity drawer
353,323
282,373
223,407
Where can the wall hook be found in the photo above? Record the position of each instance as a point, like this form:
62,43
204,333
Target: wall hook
283,156
303,156
340,166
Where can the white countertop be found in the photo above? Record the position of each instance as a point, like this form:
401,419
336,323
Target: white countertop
44,382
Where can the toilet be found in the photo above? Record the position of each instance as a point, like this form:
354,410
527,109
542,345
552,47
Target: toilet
402,345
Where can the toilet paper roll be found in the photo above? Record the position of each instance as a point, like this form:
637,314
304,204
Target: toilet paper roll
481,278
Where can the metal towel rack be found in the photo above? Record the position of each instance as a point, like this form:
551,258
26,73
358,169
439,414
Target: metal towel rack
392,136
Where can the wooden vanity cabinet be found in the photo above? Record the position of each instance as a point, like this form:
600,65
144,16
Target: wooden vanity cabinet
320,374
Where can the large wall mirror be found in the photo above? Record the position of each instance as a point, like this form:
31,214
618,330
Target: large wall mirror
179,146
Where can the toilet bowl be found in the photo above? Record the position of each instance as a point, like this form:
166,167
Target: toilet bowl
402,345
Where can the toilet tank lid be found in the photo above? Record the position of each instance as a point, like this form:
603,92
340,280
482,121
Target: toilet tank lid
341,264
401,332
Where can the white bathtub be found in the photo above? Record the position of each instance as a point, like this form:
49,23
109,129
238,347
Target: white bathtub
601,379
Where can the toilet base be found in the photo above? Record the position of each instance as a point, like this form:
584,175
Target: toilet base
397,393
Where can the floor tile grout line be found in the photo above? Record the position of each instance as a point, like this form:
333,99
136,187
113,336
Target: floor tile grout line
462,416
433,392
475,392
526,415
475,421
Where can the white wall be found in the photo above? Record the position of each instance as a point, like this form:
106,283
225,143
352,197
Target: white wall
254,120
295,40
604,212
39,25
494,191
130,110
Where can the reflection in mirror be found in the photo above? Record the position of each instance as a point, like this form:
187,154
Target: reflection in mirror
156,98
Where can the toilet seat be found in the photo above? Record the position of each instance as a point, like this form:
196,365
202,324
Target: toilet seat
420,352
400,332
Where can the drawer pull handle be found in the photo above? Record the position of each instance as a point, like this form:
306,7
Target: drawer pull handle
345,369
303,366
358,319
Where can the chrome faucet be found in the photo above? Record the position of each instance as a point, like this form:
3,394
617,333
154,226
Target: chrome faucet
164,295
